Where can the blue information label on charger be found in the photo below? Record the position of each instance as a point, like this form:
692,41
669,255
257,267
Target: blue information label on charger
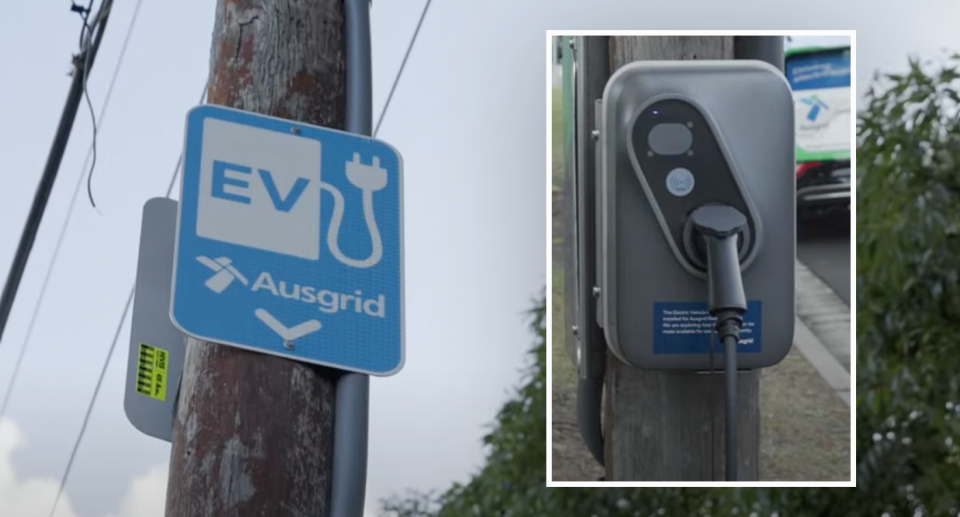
686,328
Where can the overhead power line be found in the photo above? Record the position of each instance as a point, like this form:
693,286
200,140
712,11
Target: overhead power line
403,65
85,34
81,65
113,346
73,200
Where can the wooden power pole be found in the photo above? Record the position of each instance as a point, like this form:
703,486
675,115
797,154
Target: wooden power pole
669,426
253,433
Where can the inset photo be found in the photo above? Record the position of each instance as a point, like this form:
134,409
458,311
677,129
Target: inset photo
701,292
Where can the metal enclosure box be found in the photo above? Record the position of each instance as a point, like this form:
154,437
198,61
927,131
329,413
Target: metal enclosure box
157,347
653,300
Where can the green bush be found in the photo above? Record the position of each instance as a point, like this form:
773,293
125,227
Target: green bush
908,298
515,473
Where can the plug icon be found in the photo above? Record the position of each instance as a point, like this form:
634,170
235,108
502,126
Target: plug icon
366,177
369,179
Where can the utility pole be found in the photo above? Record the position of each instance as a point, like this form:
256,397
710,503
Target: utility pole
253,433
82,64
663,425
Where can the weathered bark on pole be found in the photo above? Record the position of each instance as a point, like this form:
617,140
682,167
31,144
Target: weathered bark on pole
669,426
254,433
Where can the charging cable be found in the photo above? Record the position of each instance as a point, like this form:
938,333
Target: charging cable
369,179
720,226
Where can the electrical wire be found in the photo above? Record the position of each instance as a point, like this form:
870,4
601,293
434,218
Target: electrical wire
73,200
86,418
713,418
86,92
86,38
52,167
403,65
84,13
113,346
93,120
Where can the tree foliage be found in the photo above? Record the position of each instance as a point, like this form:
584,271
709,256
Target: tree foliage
908,296
515,472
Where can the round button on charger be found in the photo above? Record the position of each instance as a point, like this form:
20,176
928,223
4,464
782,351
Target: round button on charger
680,182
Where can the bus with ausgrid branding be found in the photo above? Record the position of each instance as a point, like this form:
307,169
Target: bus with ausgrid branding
820,79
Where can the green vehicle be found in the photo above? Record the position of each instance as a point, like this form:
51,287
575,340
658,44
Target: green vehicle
820,79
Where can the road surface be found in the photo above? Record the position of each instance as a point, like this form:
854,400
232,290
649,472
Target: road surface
824,247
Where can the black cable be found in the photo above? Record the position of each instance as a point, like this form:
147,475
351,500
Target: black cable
85,15
730,353
173,179
49,176
63,229
719,225
728,327
93,144
403,64
113,346
713,418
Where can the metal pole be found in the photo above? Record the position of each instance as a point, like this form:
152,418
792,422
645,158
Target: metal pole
593,69
351,418
359,74
761,48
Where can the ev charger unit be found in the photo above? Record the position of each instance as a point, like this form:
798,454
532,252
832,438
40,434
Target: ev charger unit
696,213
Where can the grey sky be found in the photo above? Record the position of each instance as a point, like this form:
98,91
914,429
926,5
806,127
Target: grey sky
921,28
469,119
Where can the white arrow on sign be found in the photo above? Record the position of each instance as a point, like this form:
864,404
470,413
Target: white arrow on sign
287,334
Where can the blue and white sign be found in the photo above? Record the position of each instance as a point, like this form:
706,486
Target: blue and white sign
820,81
687,328
289,241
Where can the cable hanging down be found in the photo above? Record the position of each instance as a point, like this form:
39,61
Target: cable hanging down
88,31
720,227
73,200
51,168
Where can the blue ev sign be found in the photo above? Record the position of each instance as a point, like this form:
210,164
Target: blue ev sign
289,241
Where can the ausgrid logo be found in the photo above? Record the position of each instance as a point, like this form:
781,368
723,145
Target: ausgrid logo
329,302
815,105
224,276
